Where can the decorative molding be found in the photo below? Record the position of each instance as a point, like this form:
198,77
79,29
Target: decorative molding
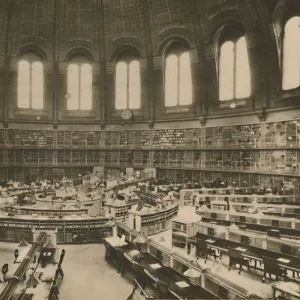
202,120
182,32
225,18
172,35
125,43
127,123
102,125
262,114
229,5
79,43
79,49
151,125
33,40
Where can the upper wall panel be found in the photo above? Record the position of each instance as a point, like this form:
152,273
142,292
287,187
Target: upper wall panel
78,26
123,24
3,24
32,23
169,18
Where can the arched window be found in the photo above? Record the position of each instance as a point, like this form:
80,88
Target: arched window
291,54
128,85
234,70
178,79
79,86
30,83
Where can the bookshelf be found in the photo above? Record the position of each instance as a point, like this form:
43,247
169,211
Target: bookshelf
243,153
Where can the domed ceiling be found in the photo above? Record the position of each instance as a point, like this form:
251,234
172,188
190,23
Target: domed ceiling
103,25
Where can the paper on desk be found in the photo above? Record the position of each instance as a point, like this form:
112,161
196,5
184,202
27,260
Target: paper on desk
210,241
240,249
182,284
155,266
283,260
134,252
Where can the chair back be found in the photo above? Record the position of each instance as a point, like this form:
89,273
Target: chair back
150,275
201,245
162,287
138,269
235,254
120,254
270,264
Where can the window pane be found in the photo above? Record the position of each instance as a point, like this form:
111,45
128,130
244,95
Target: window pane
73,87
121,85
37,85
185,80
86,87
291,54
171,81
23,84
134,85
243,79
226,69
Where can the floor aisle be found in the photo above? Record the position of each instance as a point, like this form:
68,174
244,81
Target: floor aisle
87,275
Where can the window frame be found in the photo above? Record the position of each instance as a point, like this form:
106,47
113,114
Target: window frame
127,61
178,51
234,38
80,61
282,54
31,58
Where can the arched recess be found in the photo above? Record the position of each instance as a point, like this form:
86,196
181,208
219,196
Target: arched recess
124,49
227,31
283,11
34,49
232,62
77,52
172,40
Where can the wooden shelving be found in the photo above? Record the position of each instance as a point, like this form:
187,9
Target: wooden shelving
266,149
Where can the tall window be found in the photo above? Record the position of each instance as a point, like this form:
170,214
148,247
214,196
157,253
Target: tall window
128,85
291,54
178,80
30,84
234,70
79,86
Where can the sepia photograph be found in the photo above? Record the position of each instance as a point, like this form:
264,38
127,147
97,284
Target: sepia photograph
150,149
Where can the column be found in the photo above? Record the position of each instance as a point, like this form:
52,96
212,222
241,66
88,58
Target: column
55,61
150,64
102,63
7,61
200,84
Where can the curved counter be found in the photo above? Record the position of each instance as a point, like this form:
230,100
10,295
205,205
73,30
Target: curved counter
70,229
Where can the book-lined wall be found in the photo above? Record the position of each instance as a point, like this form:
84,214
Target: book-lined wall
285,162
254,136
234,178
270,149
27,174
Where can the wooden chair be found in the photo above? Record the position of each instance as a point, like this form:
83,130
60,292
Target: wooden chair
235,258
140,275
271,266
121,262
204,251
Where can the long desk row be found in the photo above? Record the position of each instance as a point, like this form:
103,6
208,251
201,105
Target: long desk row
177,284
269,230
284,261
